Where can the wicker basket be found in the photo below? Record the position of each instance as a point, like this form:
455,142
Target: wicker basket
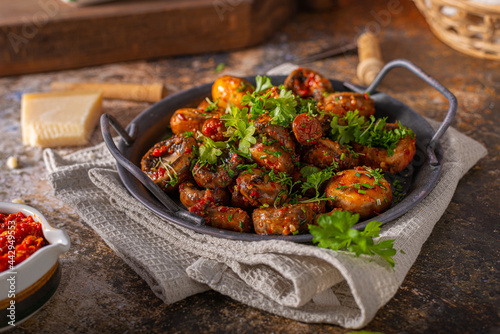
469,26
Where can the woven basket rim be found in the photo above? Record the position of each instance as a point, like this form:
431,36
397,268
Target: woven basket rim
472,6
464,36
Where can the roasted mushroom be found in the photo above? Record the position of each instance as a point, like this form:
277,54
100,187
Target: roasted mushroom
307,83
360,190
167,163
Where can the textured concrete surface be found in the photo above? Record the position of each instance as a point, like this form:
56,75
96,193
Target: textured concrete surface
452,288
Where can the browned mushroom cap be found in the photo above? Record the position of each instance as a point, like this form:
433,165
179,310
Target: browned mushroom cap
359,191
307,83
256,186
190,194
379,157
327,152
286,220
217,176
167,162
224,217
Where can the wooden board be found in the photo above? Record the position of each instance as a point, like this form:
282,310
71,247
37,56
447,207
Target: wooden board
46,35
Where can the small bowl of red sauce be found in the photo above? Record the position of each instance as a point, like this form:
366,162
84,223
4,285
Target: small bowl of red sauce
29,261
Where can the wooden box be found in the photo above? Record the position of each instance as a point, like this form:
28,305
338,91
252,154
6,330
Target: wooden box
47,35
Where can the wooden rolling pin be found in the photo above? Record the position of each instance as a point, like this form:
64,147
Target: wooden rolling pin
370,58
131,92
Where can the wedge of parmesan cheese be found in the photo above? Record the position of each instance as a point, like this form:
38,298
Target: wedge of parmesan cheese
59,118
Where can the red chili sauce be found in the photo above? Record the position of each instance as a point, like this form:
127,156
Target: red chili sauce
20,236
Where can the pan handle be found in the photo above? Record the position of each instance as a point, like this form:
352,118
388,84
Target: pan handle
452,108
168,203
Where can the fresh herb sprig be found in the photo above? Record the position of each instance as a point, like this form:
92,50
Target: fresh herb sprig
282,178
263,84
209,150
344,134
239,128
315,179
282,109
335,232
308,106
372,132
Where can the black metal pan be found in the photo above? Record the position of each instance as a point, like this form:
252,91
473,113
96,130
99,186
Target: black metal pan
151,126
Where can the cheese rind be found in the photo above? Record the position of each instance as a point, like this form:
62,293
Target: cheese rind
59,118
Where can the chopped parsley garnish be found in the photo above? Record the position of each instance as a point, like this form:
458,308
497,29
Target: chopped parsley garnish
336,232
210,150
362,187
277,154
247,166
308,106
398,190
315,180
263,84
371,133
212,105
282,178
239,128
281,109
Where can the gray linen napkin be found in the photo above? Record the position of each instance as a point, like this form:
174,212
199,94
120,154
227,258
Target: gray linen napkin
301,282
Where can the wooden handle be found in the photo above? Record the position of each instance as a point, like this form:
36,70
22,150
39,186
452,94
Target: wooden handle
370,58
132,92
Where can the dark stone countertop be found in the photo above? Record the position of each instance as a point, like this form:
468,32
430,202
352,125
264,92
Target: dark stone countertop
452,288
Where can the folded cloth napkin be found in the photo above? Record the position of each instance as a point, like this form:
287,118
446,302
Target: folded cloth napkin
297,281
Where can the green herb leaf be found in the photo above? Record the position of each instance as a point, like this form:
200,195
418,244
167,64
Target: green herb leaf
219,67
281,109
336,232
308,106
315,180
306,171
210,150
212,105
284,111
263,83
371,133
240,129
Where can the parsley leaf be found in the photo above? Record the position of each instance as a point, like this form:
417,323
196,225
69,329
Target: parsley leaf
281,109
282,178
263,83
308,170
284,111
210,150
308,106
336,232
315,180
239,128
372,133
345,134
